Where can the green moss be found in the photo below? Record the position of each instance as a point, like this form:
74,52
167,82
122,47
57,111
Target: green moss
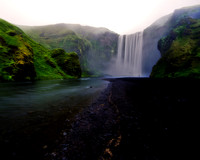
68,62
11,32
180,29
91,44
23,59
16,56
181,57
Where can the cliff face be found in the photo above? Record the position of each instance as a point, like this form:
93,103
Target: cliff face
95,46
159,29
23,59
151,36
180,51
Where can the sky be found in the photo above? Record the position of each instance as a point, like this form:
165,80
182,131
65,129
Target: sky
120,16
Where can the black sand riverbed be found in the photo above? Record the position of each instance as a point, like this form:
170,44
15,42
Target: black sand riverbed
136,119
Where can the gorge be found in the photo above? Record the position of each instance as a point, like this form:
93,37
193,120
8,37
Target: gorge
52,107
98,49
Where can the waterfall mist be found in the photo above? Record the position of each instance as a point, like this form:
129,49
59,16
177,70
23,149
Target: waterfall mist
129,56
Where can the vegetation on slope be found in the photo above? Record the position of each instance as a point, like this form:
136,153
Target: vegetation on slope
159,29
55,36
180,51
23,59
95,46
69,62
16,54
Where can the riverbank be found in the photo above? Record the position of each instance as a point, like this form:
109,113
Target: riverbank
135,119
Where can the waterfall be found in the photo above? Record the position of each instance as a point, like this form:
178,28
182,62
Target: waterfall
129,56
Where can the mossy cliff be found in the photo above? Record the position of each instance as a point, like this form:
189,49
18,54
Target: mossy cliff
180,51
21,58
159,29
16,54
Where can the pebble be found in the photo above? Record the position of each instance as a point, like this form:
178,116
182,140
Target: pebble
45,147
53,154
65,149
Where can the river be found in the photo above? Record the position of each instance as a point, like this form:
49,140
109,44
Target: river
32,114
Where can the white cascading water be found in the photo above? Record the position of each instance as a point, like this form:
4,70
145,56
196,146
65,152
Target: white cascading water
129,56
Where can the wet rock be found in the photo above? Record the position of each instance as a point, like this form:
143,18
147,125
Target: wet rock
64,133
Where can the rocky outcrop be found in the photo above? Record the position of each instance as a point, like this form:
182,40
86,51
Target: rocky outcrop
159,29
180,51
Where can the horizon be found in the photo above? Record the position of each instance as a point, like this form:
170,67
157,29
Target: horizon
122,17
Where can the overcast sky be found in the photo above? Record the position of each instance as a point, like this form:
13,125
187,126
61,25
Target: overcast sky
120,16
